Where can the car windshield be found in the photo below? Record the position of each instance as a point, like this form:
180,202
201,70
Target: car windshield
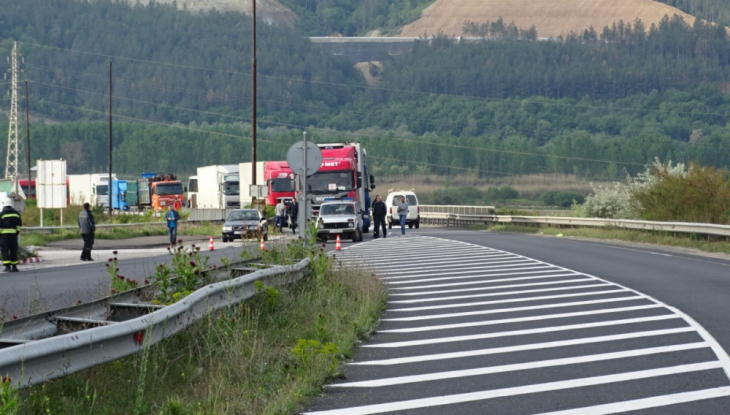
331,182
243,216
337,209
169,189
231,189
411,199
282,185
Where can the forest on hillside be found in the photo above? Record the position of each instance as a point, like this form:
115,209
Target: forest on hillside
598,105
717,11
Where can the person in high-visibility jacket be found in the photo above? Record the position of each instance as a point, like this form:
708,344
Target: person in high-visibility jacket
10,225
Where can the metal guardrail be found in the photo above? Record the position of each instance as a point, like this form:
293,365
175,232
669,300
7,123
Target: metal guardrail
54,357
450,219
463,210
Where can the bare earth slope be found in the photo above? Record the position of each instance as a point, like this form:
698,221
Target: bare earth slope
551,17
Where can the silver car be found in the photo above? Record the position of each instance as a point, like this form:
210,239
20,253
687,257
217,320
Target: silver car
339,218
245,223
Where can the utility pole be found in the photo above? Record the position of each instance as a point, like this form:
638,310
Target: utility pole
11,160
109,185
253,99
27,142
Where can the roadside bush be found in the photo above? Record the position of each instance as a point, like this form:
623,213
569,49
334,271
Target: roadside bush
702,195
501,193
563,199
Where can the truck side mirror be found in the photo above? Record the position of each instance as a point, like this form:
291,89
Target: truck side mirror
359,182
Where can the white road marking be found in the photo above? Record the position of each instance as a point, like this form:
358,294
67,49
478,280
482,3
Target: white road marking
401,380
633,297
425,255
509,300
518,390
521,319
540,330
647,403
495,287
505,264
464,297
459,284
531,270
522,347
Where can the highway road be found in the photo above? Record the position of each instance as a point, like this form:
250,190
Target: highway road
486,323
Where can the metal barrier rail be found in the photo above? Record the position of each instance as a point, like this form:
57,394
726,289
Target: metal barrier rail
463,210
54,357
449,219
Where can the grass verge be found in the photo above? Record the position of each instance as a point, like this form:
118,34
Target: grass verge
692,241
190,229
266,356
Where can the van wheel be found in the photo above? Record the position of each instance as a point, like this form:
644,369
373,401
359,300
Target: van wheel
418,223
410,225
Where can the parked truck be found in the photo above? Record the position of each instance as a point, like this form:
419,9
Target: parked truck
154,191
89,188
342,176
244,170
279,178
218,187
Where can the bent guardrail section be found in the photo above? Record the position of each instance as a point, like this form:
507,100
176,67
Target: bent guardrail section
54,357
451,219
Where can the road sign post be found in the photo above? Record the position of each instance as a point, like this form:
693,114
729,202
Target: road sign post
304,159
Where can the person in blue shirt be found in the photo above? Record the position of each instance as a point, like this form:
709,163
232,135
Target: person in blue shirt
172,217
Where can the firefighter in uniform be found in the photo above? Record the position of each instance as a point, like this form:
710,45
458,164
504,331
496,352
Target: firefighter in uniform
10,225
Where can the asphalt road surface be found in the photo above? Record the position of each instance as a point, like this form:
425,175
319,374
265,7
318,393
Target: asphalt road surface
484,323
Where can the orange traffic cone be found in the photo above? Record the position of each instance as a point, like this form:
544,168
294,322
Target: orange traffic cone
338,246
263,245
210,245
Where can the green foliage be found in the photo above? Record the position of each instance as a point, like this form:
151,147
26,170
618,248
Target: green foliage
9,399
701,196
308,352
189,271
501,193
119,283
710,10
563,199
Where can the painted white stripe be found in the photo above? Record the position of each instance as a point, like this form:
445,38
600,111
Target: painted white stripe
402,380
518,390
522,347
521,319
459,284
391,252
457,265
464,297
508,300
435,255
457,268
482,336
647,403
411,242
530,270
496,287
633,297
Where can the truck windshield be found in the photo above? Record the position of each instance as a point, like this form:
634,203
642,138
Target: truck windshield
331,182
231,189
102,190
282,185
168,189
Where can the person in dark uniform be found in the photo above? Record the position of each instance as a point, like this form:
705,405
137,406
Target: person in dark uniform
10,225
87,227
379,212
293,215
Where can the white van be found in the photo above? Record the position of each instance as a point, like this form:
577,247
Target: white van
414,211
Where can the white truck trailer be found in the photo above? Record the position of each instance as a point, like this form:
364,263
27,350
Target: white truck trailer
218,187
245,175
89,188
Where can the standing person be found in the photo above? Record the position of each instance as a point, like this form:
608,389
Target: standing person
403,212
379,212
293,215
87,227
280,215
11,224
172,216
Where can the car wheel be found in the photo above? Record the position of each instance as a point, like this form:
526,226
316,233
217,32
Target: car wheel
356,236
418,223
225,239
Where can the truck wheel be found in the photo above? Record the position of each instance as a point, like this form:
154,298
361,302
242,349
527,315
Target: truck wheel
418,223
